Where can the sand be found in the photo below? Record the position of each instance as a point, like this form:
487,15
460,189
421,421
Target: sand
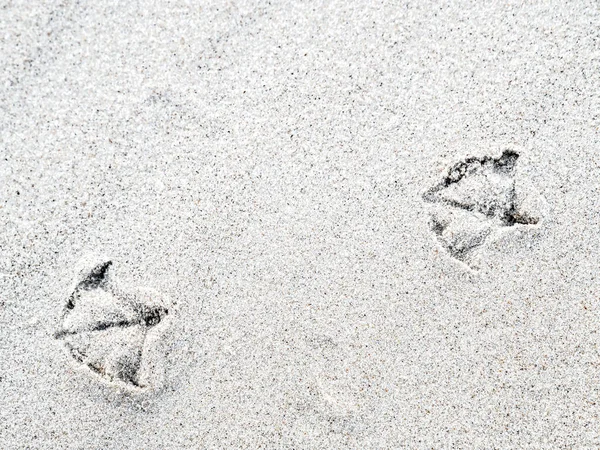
322,196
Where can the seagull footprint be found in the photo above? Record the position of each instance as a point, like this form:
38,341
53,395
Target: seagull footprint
108,330
476,197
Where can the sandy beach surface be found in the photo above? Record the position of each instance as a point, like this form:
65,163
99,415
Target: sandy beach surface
299,225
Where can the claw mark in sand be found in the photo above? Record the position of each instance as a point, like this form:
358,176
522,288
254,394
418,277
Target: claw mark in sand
476,197
112,332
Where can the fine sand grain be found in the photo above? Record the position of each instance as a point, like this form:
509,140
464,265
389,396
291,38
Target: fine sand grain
367,225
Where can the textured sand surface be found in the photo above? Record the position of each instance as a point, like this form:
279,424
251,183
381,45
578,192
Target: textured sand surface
266,167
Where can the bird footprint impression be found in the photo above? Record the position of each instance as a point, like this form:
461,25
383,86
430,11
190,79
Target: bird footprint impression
477,197
115,332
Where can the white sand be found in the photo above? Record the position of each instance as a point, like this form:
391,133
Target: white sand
264,168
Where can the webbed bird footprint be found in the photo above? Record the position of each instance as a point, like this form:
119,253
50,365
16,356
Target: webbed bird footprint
112,332
476,197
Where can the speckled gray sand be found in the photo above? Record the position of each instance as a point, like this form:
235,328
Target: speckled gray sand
264,167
